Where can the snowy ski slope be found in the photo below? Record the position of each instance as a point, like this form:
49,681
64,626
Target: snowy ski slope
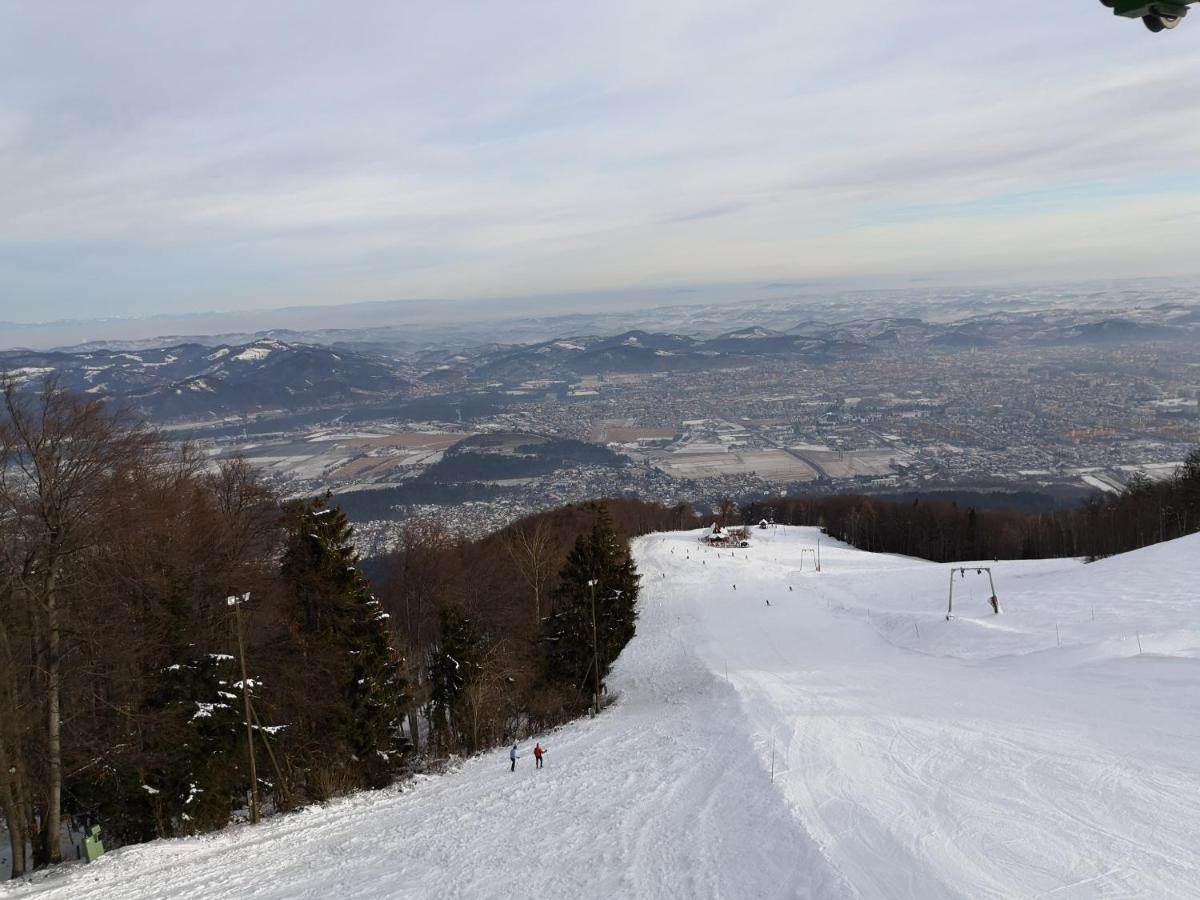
913,757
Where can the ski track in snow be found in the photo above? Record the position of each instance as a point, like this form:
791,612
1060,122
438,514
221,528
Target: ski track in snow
979,759
913,757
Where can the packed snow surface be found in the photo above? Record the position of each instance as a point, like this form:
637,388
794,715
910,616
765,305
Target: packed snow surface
844,741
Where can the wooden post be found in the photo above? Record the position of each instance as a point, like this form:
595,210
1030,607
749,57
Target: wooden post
274,762
236,603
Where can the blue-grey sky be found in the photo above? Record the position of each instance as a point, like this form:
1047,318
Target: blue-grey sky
181,156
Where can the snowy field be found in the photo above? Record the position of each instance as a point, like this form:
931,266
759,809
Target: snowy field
843,741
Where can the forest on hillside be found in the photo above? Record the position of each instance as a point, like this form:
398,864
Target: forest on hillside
1146,512
495,606
180,648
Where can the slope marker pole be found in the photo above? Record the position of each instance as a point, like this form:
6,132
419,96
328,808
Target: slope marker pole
1057,635
1139,639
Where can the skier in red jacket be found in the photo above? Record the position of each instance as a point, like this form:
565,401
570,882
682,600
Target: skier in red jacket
537,755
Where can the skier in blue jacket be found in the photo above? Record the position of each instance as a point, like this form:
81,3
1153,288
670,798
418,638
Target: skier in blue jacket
512,755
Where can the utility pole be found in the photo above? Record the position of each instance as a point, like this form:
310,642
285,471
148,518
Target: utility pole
595,648
236,603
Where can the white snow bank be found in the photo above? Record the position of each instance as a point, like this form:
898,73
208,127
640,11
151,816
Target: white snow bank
977,758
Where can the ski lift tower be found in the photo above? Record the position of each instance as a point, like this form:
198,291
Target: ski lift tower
961,571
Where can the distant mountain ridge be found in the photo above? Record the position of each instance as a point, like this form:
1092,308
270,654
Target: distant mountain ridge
643,352
819,342
205,380
195,381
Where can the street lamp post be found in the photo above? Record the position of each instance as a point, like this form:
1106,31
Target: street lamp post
595,648
236,602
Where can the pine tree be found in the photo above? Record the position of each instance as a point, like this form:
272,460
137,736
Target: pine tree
203,758
345,632
190,765
598,574
457,664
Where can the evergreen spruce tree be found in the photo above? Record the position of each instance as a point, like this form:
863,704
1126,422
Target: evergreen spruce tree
203,758
191,766
598,570
345,631
455,666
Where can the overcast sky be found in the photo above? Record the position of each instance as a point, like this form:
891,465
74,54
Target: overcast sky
178,156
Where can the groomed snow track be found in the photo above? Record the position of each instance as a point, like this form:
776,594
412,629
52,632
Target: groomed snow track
1035,754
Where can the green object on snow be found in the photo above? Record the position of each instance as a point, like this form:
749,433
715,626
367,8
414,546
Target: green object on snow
93,847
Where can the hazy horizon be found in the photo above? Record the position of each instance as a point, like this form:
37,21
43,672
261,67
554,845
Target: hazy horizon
617,309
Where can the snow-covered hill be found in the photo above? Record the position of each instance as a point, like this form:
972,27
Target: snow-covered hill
197,382
912,756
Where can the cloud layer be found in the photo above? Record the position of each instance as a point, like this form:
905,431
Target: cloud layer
189,156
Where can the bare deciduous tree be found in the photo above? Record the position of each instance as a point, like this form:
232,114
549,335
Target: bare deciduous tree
531,547
55,451
14,722
481,701
420,572
728,513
